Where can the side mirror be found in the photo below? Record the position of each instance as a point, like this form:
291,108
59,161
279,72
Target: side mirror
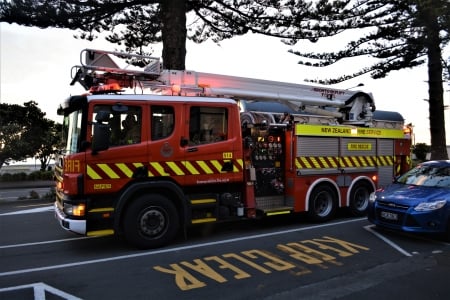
102,136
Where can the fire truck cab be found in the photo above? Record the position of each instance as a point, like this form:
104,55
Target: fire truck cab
204,148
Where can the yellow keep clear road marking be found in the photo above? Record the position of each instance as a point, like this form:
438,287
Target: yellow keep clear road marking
299,258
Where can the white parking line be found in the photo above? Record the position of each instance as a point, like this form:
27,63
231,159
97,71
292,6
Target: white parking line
46,242
387,241
40,290
29,211
175,249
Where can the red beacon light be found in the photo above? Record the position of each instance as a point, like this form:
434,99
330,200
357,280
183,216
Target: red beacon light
106,88
407,130
176,89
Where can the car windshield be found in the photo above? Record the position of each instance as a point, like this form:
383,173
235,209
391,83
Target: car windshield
427,175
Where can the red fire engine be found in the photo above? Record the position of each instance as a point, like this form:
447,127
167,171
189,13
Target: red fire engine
190,148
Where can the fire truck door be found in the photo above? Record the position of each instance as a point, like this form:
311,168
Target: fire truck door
212,156
109,170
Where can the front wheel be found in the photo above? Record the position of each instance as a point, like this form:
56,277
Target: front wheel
359,199
322,203
150,221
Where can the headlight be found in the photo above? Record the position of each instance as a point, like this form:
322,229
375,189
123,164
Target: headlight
75,210
427,206
372,197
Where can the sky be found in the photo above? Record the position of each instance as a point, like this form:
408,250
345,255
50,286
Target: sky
35,64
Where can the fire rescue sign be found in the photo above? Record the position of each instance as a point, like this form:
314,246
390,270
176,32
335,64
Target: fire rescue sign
359,146
347,131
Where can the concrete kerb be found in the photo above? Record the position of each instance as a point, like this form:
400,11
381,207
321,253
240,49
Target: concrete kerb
26,184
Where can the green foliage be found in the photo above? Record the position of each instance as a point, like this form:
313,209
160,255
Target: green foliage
421,150
135,25
25,133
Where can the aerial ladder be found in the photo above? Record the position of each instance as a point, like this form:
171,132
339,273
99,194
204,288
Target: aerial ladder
99,72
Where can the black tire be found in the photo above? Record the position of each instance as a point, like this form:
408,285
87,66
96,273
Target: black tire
322,203
150,221
359,199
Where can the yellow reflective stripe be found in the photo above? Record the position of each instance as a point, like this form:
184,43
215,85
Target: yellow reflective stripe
355,161
92,174
217,165
362,160
203,201
347,131
306,162
314,161
197,221
332,161
159,168
240,162
323,161
204,167
175,168
347,161
191,168
275,213
124,168
382,160
105,168
100,232
100,210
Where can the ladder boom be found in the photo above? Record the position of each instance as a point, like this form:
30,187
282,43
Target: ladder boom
101,68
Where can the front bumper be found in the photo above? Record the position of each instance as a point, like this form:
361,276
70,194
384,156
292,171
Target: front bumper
408,220
77,226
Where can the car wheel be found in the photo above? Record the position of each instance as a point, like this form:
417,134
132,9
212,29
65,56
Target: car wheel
150,221
322,203
359,199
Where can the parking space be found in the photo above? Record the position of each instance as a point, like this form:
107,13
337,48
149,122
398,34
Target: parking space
268,260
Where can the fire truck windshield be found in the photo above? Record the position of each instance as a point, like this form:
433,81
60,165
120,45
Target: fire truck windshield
71,131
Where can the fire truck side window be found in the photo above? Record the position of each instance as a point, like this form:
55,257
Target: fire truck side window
125,125
207,125
162,122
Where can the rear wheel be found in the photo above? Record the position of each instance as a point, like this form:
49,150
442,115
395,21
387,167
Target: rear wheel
322,203
359,199
150,221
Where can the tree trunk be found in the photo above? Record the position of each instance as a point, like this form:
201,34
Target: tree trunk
173,18
435,88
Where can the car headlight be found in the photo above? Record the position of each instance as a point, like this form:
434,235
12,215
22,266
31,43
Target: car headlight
427,206
372,197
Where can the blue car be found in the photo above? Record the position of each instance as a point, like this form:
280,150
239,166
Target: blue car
418,201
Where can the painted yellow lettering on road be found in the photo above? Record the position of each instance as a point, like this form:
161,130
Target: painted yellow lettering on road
299,257
306,254
275,263
201,267
226,265
323,245
248,262
183,279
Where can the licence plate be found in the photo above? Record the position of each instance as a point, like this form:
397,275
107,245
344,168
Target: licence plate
389,216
